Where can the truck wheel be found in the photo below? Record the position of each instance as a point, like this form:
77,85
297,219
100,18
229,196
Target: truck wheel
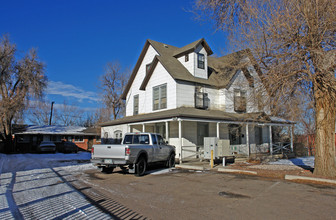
140,167
171,161
106,169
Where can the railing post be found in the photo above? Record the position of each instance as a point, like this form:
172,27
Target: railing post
180,139
291,135
270,135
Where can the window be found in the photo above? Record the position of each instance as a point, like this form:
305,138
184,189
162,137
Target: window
200,61
161,140
117,137
136,105
154,139
79,139
148,66
186,58
160,97
239,101
235,134
128,139
136,139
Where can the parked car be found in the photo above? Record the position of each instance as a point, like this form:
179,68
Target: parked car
136,151
46,146
68,146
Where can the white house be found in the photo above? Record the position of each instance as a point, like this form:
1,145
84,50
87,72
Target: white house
186,95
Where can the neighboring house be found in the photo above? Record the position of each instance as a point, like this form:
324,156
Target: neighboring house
29,137
186,95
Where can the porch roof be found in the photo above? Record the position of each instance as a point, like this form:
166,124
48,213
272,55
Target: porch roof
200,114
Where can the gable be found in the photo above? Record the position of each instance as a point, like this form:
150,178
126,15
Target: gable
146,57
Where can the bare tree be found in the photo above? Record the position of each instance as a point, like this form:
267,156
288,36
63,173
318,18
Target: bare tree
20,79
68,115
294,43
38,113
112,84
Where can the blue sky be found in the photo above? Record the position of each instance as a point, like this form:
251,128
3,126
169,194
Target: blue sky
76,38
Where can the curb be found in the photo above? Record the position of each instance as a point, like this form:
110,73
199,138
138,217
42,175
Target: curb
226,170
320,180
181,166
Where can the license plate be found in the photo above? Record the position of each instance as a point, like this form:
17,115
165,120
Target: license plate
108,160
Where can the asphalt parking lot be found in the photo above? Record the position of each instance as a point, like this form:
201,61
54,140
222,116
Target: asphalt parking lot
183,194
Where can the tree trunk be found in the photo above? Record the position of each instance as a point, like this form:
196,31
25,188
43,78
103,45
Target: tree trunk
325,162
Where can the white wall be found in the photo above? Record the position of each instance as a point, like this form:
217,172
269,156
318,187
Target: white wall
111,129
134,89
189,65
201,73
160,76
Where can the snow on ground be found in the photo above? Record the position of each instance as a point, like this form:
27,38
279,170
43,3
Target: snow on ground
299,161
32,187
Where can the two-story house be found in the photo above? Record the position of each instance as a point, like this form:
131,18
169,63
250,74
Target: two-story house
186,94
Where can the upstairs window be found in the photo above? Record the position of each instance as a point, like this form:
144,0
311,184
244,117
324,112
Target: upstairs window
186,58
160,97
136,105
148,66
200,61
239,101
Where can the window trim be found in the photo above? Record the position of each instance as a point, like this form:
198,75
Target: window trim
200,62
160,97
186,58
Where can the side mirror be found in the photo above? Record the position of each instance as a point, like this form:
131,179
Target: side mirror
166,142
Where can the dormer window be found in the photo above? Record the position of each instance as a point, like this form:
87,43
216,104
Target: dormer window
186,58
200,61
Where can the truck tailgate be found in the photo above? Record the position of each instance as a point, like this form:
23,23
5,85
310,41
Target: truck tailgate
112,151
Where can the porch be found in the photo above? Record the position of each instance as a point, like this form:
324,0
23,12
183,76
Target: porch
234,138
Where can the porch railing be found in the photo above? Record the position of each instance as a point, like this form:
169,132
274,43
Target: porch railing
281,148
192,152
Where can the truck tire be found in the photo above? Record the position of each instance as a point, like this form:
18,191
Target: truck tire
140,167
171,161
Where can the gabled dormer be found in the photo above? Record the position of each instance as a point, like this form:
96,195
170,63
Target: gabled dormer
194,57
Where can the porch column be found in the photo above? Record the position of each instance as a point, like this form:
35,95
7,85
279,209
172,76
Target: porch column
270,141
167,131
218,130
128,128
143,128
180,139
247,141
291,137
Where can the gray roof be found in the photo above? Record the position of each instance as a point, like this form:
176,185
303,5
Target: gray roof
221,69
55,130
193,113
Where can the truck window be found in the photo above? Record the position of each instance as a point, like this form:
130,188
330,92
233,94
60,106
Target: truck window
161,140
154,139
136,139
144,139
128,139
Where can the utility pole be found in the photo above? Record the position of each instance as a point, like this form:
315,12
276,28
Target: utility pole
51,111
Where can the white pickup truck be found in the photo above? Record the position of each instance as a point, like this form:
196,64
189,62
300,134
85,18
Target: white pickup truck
135,153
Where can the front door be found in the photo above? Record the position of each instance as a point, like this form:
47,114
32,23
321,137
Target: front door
202,131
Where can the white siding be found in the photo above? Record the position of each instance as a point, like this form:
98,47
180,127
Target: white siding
189,65
134,89
201,73
185,94
240,82
109,131
160,76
